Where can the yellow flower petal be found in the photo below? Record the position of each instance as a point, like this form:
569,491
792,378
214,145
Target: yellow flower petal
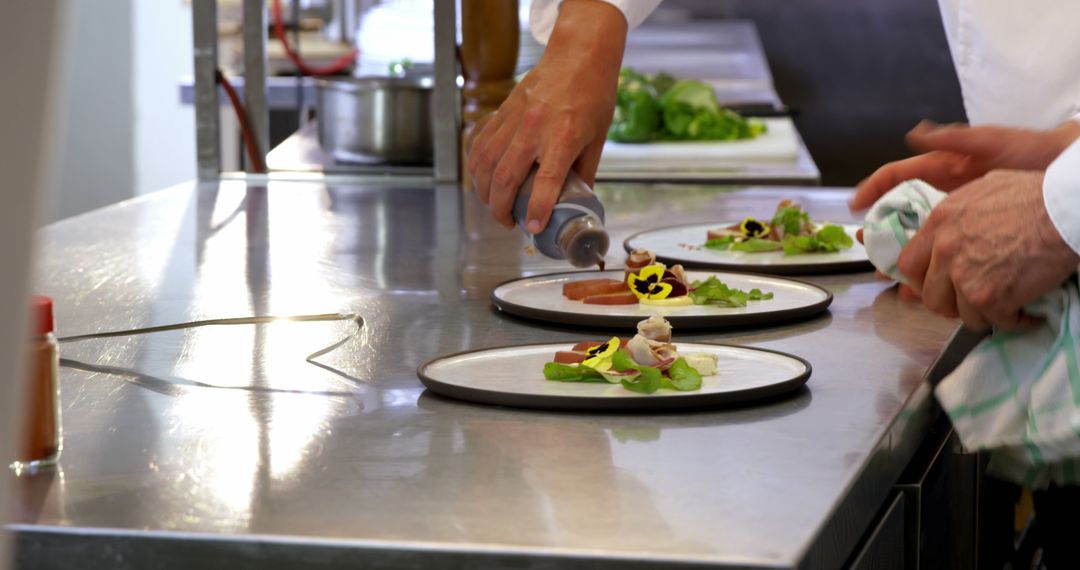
598,363
754,228
659,291
600,356
646,279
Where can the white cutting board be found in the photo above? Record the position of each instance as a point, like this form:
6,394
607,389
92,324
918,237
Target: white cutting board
779,145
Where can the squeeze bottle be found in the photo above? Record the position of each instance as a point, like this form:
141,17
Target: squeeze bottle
575,231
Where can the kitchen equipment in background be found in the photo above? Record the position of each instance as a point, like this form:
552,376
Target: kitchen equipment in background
376,120
395,30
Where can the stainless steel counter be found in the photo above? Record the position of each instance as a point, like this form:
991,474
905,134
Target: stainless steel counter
222,448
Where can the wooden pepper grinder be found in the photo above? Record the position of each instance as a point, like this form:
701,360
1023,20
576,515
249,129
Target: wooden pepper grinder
490,34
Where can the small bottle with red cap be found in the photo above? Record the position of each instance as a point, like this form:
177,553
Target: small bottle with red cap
41,441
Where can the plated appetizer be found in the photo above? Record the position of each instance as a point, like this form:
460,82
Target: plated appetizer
789,230
648,282
645,363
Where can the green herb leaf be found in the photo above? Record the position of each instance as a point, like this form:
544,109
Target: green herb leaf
712,291
834,237
647,382
829,239
723,243
791,219
683,376
622,361
757,295
571,373
755,245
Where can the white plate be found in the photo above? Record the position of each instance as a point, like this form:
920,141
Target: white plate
541,298
513,376
685,245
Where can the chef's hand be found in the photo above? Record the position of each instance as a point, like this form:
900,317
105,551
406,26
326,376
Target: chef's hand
954,155
557,116
987,250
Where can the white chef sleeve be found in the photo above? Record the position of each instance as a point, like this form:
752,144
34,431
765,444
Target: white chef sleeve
1061,194
543,13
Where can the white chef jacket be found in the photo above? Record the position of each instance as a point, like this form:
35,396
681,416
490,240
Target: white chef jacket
1018,62
1019,65
543,12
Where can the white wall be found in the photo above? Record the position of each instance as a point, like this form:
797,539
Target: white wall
164,129
97,159
128,134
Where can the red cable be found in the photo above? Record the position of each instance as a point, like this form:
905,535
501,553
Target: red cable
245,123
334,68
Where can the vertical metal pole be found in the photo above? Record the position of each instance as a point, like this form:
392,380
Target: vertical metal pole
207,122
255,74
446,103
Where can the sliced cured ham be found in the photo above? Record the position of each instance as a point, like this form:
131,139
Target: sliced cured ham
655,328
625,298
578,290
640,258
570,357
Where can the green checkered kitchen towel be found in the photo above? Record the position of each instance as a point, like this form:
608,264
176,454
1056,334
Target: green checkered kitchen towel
1017,395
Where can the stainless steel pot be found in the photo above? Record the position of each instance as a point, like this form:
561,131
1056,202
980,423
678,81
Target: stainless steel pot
370,120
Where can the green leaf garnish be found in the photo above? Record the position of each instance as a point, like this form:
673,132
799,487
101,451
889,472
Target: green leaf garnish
647,382
684,377
756,245
791,219
712,291
720,243
829,239
571,373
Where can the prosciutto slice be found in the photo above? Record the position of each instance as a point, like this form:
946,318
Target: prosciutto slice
655,328
652,353
578,290
640,258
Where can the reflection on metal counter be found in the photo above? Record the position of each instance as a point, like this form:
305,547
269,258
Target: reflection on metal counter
279,461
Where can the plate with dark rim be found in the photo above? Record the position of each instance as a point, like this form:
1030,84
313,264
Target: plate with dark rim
513,376
686,245
540,298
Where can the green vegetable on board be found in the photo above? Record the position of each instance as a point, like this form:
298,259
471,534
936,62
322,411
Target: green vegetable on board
658,107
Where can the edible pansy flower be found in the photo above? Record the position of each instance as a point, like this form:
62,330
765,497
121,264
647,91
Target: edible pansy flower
754,228
600,355
648,283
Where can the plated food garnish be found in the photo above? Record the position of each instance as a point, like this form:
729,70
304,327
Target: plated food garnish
649,282
660,108
789,230
645,363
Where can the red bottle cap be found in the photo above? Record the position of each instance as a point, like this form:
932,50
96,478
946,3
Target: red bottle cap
41,318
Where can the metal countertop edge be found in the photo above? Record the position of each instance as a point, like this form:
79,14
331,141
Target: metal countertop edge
40,544
835,542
